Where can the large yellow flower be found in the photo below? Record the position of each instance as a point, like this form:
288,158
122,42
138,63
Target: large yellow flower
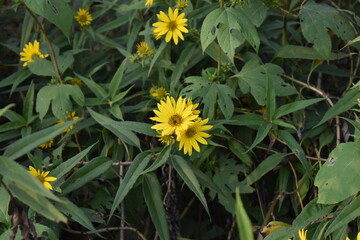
172,25
302,234
173,116
30,51
83,17
42,176
189,137
69,117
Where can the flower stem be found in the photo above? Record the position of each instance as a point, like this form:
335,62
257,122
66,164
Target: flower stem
52,52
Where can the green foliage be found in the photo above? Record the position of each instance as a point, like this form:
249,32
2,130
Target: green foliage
277,81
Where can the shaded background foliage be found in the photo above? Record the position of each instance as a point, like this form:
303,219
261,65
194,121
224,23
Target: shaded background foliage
277,79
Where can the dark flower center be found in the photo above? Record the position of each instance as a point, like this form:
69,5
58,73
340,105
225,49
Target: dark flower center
175,120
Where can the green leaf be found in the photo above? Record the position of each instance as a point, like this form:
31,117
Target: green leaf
36,202
4,207
296,148
17,174
69,208
342,165
135,170
94,87
4,109
26,144
42,67
264,167
242,219
254,75
301,52
90,171
157,55
231,27
344,104
160,160
117,78
262,132
152,194
16,78
186,174
316,19
124,134
59,97
256,11
295,106
29,103
56,11
346,215
69,164
240,152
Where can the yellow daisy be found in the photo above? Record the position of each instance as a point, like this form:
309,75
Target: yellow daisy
182,3
30,51
166,139
158,93
42,176
172,25
148,3
47,144
142,48
302,234
83,17
189,137
172,116
69,117
76,81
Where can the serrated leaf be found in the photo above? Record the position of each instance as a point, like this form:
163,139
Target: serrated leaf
135,170
59,98
56,11
152,194
342,165
316,19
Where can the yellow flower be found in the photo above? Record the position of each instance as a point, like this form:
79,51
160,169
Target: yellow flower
302,234
158,93
166,139
42,176
148,3
47,144
172,25
69,117
30,51
76,81
83,17
189,102
347,238
172,116
189,137
142,48
182,3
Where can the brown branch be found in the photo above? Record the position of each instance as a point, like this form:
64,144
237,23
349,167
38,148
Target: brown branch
107,230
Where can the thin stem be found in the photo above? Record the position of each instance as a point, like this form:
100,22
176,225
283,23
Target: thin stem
321,93
52,52
297,186
107,230
77,141
7,189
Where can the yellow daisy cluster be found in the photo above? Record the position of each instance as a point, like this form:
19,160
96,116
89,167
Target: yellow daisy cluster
83,17
179,120
158,92
47,144
42,176
30,51
171,25
69,117
143,51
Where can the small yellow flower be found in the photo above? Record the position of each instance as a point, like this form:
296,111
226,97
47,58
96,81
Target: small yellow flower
83,17
172,25
302,234
189,137
142,48
166,139
76,81
69,117
148,3
42,176
347,238
47,144
30,51
182,3
158,93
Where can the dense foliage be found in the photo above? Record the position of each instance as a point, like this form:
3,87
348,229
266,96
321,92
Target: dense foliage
187,119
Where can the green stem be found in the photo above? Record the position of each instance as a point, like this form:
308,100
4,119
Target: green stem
52,52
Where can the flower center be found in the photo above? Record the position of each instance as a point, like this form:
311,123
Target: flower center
172,25
83,18
175,120
190,132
